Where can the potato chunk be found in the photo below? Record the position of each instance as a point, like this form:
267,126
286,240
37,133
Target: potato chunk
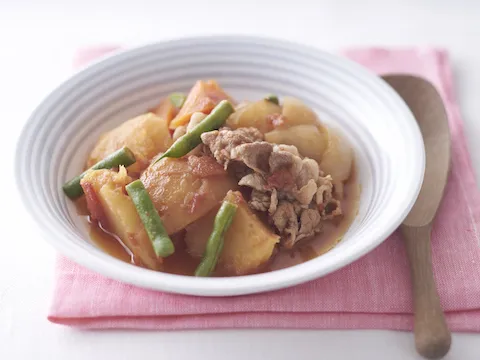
337,160
248,243
118,213
203,97
146,135
308,139
256,114
183,190
297,113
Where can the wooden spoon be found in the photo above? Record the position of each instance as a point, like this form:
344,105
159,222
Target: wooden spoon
432,336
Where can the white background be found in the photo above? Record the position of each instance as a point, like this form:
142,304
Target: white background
37,41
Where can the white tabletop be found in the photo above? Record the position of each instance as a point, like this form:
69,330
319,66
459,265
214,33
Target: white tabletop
37,44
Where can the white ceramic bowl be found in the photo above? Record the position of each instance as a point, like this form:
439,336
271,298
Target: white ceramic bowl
56,139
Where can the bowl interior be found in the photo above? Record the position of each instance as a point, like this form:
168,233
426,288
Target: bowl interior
385,138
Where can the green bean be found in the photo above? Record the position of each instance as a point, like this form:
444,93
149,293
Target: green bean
161,242
192,139
272,98
123,156
177,99
214,248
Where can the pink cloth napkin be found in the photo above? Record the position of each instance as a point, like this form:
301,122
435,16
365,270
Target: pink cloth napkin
372,293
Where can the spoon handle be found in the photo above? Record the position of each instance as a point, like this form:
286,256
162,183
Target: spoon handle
432,336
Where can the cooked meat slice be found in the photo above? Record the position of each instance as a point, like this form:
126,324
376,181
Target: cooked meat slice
259,201
285,195
284,180
255,155
253,180
273,202
221,142
238,170
213,140
286,221
332,209
310,223
298,208
290,188
283,214
282,158
264,201
325,188
305,195
285,167
329,206
309,171
293,227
